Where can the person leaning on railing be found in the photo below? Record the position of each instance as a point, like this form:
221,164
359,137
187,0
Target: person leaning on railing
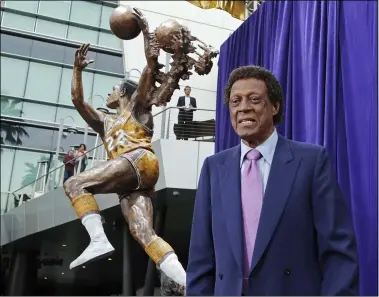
185,116
69,165
81,157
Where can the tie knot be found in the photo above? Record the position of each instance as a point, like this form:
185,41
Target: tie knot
253,155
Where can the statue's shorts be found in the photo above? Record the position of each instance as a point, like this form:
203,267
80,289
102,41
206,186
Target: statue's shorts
146,166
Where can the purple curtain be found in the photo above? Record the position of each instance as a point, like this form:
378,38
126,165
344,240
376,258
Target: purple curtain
325,57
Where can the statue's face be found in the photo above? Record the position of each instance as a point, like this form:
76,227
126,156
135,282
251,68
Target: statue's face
113,100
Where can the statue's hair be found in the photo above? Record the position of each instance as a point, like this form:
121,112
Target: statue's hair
128,86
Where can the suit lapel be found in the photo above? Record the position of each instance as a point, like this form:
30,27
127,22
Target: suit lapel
230,183
282,174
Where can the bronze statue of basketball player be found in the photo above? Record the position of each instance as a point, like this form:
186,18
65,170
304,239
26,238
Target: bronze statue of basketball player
132,170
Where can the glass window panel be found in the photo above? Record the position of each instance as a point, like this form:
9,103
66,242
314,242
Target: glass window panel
7,202
51,28
6,168
16,45
109,40
65,90
105,15
13,133
39,138
28,6
47,51
25,170
91,140
7,199
40,112
17,21
64,113
43,82
55,9
11,68
26,136
11,107
109,63
86,13
69,140
103,85
69,55
82,35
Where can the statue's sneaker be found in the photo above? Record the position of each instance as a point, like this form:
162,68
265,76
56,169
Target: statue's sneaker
169,287
97,249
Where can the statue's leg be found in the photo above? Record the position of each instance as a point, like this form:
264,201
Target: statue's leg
138,212
114,176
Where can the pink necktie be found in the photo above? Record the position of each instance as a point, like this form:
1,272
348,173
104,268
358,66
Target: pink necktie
252,197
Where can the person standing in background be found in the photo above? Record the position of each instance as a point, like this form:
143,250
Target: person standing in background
69,165
81,157
187,103
269,216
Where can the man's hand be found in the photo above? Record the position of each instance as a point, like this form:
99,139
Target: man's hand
151,45
141,19
81,61
204,65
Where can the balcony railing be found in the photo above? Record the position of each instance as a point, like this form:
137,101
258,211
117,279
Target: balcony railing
44,182
168,124
166,127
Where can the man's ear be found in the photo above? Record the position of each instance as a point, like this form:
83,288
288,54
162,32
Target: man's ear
275,108
122,92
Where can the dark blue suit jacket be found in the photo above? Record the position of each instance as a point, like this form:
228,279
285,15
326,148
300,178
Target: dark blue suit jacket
305,242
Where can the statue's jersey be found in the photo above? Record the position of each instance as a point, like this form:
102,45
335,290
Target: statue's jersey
123,134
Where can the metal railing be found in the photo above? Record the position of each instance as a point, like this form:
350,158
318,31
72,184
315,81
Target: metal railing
166,127
175,123
47,181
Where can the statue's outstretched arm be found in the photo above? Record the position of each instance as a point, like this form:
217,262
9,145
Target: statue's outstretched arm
147,80
94,118
150,44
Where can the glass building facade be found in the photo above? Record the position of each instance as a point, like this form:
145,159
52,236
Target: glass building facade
38,42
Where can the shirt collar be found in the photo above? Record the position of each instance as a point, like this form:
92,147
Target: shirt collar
266,149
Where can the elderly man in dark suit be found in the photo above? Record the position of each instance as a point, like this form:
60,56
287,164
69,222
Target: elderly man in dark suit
187,103
269,216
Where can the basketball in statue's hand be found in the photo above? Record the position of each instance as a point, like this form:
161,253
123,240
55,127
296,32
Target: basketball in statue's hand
124,23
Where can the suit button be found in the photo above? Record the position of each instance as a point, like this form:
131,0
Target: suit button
221,276
287,272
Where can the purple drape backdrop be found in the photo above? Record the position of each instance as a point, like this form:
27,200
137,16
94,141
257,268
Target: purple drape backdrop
325,57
